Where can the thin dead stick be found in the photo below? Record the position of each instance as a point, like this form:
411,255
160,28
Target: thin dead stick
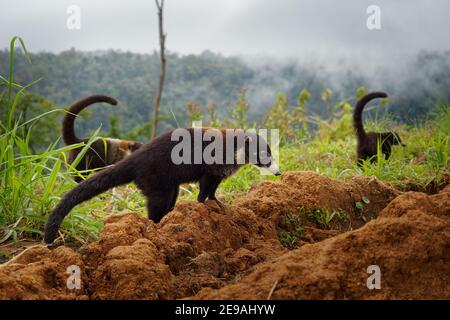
272,290
162,72
13,260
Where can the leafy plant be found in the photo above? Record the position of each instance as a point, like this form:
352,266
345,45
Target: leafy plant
321,217
291,232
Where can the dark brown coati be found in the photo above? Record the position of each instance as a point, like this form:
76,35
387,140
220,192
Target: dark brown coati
102,152
368,141
157,170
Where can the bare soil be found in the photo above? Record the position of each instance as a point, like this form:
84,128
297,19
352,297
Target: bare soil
305,237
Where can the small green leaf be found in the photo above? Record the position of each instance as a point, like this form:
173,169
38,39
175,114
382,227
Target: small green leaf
360,205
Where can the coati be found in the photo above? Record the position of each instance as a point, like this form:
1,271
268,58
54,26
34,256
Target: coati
368,142
158,176
102,152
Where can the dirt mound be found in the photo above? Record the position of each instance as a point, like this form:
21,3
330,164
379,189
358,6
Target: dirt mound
202,249
39,273
409,242
193,247
300,193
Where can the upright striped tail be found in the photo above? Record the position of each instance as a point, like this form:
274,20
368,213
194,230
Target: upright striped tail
357,115
68,123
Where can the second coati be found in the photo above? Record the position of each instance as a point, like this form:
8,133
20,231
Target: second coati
103,151
367,145
156,172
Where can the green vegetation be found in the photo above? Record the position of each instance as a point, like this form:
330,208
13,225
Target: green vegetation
31,182
321,217
290,234
210,79
34,173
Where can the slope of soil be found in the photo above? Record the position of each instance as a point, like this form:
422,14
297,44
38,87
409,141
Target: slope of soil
206,252
410,242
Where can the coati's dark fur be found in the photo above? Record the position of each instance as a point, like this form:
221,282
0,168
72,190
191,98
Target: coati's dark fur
152,169
102,152
368,141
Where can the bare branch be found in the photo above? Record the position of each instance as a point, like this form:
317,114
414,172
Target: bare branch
162,73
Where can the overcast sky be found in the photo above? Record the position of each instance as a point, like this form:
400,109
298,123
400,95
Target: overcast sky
279,28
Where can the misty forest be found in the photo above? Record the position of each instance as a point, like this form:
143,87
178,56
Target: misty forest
330,207
208,79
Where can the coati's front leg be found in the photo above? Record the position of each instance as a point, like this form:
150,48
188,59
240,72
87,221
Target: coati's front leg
387,152
208,187
212,191
173,198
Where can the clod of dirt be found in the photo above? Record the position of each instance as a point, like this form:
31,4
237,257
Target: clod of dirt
134,271
39,273
193,229
124,263
410,242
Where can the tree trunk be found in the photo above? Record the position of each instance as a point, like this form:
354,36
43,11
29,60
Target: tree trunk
162,71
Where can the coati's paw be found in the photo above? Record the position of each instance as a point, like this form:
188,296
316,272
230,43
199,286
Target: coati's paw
214,205
220,204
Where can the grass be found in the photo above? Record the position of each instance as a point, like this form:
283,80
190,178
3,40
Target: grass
321,217
31,184
290,234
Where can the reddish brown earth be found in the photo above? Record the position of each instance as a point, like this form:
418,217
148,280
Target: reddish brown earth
207,253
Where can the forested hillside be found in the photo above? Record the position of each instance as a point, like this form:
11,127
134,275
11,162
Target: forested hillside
212,78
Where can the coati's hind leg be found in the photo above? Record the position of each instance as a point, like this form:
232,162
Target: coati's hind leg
158,204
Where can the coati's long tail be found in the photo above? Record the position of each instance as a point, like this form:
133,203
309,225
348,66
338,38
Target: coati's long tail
68,129
121,173
357,115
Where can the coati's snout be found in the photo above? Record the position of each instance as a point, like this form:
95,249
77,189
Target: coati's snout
399,141
272,168
268,163
260,154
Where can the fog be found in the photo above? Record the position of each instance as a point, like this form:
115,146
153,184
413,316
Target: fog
290,44
287,28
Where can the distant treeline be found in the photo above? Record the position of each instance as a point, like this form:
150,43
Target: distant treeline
214,79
